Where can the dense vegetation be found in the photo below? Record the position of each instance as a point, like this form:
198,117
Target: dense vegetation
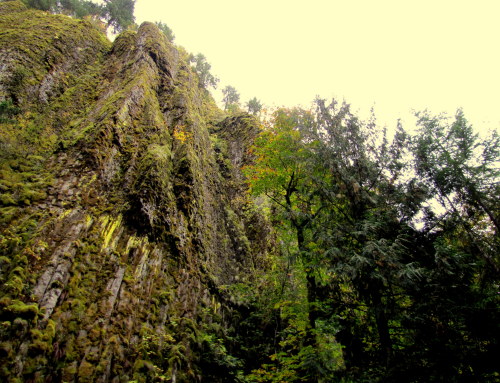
146,235
389,265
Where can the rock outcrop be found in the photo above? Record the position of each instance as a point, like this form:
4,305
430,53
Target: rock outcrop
124,215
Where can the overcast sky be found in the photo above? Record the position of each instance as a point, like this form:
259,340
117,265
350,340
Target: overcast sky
395,55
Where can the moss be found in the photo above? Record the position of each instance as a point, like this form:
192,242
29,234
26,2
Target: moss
69,372
32,196
21,259
6,349
56,285
7,215
4,261
38,347
20,188
143,369
5,301
85,372
5,326
7,199
20,326
18,271
18,309
14,286
37,38
95,334
9,7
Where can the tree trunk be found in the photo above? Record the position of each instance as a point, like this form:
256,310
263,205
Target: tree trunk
310,338
382,328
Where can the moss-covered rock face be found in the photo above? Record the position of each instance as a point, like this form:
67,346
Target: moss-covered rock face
42,55
123,220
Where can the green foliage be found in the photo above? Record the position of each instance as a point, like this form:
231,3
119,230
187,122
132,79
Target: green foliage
76,8
166,30
118,14
80,8
344,192
202,69
283,171
280,157
462,171
231,97
18,309
254,106
44,5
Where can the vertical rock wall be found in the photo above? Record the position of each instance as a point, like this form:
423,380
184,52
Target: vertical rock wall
123,219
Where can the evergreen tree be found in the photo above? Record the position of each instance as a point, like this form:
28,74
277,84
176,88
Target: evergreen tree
119,14
166,30
202,68
231,97
462,171
44,5
254,106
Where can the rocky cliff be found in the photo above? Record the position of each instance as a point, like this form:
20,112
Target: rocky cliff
125,222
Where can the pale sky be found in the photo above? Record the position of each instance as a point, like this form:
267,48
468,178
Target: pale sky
394,55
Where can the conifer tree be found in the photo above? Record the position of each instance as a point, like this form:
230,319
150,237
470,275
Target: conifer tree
231,97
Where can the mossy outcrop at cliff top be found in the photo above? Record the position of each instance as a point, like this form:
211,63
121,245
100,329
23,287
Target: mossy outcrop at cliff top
43,54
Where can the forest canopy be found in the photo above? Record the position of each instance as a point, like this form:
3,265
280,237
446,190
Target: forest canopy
391,247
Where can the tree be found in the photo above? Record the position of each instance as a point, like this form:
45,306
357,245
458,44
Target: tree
462,171
76,8
254,106
361,236
454,314
339,187
231,97
282,172
166,31
80,8
202,68
44,5
402,301
119,14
